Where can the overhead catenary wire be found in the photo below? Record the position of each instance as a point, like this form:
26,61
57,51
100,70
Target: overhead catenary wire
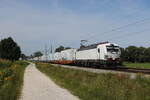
121,34
128,34
130,15
113,30
118,28
146,43
124,41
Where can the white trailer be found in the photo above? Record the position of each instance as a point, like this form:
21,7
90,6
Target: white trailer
50,57
68,54
57,56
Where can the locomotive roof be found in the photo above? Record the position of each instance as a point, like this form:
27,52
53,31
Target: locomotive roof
92,46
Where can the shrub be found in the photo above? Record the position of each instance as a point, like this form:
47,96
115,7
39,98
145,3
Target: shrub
11,80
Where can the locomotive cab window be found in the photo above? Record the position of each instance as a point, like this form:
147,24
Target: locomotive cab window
112,48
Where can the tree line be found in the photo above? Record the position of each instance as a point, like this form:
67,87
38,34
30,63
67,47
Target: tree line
135,54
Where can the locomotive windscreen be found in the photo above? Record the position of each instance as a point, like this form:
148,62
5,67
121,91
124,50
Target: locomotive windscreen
112,48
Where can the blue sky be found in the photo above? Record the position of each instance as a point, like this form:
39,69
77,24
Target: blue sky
36,23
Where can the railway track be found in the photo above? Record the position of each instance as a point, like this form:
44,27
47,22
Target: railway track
118,69
127,69
134,70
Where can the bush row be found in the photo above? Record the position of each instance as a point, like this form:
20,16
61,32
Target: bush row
136,54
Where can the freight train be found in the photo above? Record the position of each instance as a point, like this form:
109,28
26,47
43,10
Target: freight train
101,54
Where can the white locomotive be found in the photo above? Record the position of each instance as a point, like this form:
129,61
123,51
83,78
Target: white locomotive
98,54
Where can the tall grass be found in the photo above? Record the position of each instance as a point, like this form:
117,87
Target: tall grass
11,79
92,86
5,63
137,65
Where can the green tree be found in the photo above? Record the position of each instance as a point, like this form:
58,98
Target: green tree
31,56
135,54
147,55
37,54
67,48
123,54
9,49
59,49
132,53
141,54
23,57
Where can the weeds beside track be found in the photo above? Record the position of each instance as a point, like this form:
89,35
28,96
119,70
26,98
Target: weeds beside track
122,69
137,65
134,70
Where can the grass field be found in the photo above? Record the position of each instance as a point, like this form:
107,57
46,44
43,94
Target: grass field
92,86
137,65
11,79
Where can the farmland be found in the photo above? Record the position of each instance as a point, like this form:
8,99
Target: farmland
11,79
92,86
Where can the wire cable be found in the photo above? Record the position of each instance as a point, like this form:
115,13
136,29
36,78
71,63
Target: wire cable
118,28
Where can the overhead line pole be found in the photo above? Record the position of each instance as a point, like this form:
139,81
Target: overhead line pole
46,52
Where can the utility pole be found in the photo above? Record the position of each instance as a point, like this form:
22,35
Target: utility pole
46,53
51,51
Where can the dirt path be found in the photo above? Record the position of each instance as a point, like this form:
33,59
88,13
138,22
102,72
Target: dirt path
38,86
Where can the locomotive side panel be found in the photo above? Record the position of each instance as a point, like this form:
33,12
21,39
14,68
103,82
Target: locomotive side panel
90,54
88,57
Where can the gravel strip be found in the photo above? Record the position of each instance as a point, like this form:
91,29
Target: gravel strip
38,86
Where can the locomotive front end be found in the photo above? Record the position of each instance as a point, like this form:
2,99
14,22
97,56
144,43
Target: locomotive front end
112,55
